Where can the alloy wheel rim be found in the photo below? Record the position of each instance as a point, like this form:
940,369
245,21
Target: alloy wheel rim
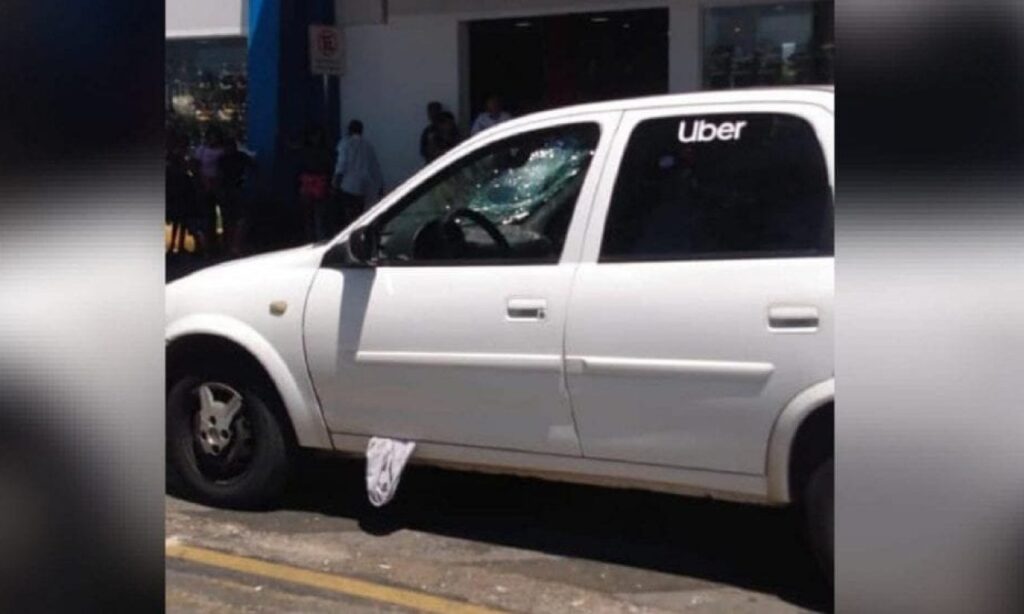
221,431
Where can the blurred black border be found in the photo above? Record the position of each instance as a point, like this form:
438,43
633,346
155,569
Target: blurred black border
81,81
81,140
930,119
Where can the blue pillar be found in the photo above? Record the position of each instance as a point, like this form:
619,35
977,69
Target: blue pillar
263,70
284,98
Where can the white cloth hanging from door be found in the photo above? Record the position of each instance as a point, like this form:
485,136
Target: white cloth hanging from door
385,460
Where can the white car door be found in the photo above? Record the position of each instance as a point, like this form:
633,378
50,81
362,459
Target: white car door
704,299
455,335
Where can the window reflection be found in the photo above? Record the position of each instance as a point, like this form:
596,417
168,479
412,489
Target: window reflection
206,84
774,44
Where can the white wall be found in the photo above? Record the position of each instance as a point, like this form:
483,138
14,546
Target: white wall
392,72
395,69
200,18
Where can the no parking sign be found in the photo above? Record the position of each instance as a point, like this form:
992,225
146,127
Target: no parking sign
326,50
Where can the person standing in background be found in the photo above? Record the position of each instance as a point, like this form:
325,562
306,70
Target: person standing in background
492,115
233,167
357,175
429,136
447,133
180,192
314,184
208,157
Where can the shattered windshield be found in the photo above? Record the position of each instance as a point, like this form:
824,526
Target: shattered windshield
511,194
523,188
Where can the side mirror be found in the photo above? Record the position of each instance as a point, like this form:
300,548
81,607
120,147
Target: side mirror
362,245
359,250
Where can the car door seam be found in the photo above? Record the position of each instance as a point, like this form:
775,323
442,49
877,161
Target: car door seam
576,272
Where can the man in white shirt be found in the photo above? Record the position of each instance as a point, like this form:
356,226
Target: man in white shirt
357,175
492,116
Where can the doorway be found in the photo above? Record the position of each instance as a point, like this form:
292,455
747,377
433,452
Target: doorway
536,63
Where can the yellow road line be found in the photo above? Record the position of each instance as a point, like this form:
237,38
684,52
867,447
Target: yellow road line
331,582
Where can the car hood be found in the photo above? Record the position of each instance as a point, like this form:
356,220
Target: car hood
235,288
302,256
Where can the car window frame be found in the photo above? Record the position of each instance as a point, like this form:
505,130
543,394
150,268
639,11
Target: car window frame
607,121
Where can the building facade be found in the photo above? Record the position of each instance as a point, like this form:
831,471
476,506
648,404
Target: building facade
534,54
205,60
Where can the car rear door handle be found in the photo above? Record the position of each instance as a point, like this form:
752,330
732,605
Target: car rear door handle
793,318
529,309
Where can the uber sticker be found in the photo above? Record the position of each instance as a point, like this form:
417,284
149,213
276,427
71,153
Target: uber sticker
702,131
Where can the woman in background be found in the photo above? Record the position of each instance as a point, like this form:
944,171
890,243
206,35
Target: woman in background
314,183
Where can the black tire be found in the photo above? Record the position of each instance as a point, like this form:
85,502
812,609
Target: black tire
257,482
819,511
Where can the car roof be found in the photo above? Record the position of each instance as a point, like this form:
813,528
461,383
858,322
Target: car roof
822,95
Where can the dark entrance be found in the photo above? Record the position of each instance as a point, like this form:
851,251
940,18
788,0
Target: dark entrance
537,63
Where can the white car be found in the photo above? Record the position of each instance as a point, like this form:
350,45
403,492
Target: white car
633,293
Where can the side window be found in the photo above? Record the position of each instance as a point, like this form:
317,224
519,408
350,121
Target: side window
751,185
510,202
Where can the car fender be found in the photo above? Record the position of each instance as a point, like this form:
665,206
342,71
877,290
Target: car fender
780,445
298,396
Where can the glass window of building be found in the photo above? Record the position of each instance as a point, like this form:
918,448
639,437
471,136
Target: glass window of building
768,44
206,85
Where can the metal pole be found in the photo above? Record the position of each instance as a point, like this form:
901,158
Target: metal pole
327,106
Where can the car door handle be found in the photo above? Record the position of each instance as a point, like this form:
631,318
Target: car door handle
526,309
793,318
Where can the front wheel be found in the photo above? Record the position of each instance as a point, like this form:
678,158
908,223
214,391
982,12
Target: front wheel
819,511
223,441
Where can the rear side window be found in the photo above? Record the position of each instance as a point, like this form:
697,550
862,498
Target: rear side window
720,186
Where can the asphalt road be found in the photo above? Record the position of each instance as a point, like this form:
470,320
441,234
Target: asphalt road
451,540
